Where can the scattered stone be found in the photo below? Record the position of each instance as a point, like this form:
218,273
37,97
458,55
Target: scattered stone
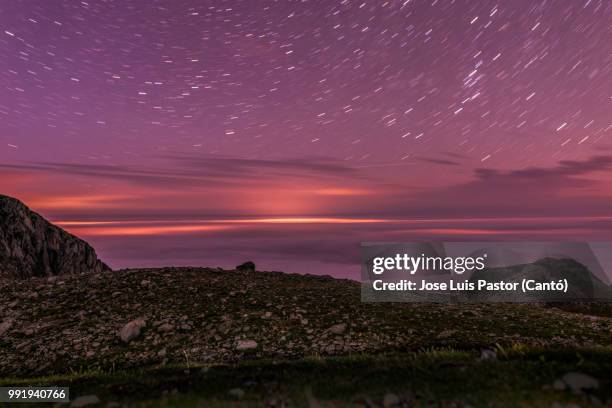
390,400
578,382
243,345
312,401
339,328
132,330
595,401
559,385
85,400
165,328
488,355
237,393
246,267
5,326
446,334
225,329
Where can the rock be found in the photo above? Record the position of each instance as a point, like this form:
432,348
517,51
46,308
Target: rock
596,402
312,401
242,345
559,385
390,400
488,355
5,326
30,246
131,330
85,400
578,382
246,267
237,393
165,328
337,328
445,334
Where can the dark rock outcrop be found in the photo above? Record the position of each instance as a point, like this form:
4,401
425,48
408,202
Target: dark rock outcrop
583,285
246,267
30,246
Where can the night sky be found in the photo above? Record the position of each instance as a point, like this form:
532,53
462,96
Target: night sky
286,132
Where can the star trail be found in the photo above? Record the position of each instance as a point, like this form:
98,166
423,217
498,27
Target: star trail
178,119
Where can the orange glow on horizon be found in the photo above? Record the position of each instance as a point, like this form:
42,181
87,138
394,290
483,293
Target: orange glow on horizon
125,228
77,202
456,227
148,230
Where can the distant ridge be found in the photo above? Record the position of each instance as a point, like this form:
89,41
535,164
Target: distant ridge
583,285
30,246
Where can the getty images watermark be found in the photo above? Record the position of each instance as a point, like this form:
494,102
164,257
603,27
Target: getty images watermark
486,271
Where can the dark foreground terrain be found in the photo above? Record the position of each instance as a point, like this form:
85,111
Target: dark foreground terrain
207,337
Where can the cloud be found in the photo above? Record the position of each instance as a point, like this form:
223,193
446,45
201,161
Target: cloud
569,188
112,172
443,162
565,170
195,186
189,170
299,167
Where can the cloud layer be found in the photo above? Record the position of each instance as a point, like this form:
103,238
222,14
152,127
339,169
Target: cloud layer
303,214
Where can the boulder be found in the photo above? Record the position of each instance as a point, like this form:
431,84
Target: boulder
243,345
246,267
131,330
579,382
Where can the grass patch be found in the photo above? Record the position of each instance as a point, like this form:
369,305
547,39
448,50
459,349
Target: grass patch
520,376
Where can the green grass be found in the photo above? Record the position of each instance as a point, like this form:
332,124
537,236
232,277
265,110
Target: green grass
520,376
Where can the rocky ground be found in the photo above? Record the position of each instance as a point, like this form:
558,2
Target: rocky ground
182,324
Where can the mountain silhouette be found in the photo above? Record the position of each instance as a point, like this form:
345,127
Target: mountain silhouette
30,246
582,283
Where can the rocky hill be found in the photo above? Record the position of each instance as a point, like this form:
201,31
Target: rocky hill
583,285
152,317
30,246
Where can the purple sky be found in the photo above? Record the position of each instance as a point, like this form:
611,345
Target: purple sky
287,132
